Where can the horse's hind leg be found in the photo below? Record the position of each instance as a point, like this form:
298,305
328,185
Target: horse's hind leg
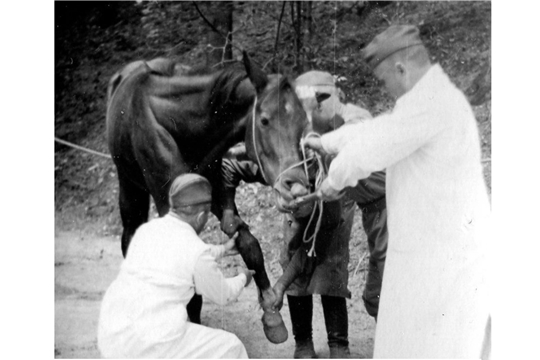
134,206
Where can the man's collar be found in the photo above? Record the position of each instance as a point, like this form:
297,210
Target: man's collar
424,84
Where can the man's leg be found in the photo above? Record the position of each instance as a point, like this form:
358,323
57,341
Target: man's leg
375,226
301,310
337,325
194,309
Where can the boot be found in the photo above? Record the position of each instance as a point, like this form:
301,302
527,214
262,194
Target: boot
339,352
301,310
304,350
337,326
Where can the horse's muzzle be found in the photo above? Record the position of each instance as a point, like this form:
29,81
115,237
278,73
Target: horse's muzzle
289,187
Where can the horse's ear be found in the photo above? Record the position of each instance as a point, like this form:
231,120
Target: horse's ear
320,97
256,75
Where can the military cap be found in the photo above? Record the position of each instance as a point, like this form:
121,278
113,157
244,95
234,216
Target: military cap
315,78
390,41
190,189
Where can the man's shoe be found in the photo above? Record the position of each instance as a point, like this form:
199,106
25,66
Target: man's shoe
340,352
305,350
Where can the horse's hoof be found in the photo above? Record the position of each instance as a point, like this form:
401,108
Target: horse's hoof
274,328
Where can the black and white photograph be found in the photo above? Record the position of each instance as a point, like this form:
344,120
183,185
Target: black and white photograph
273,179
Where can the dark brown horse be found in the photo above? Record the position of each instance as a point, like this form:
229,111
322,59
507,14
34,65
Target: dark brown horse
165,119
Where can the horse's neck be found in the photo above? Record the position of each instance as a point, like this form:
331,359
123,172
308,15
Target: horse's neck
225,141
212,134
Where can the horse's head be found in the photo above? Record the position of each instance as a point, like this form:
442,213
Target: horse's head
273,134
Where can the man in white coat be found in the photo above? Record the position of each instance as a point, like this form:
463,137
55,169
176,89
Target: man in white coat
143,313
433,298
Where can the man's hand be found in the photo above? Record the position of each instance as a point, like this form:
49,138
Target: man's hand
328,193
279,291
249,275
230,247
314,143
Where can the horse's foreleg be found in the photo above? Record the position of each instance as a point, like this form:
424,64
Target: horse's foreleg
248,246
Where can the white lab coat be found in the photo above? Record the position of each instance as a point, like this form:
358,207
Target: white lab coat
433,299
143,313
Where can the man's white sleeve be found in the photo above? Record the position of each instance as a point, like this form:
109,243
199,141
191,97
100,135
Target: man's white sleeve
333,142
353,112
210,282
217,251
375,145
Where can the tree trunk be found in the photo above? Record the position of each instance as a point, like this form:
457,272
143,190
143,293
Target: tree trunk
309,19
296,17
221,40
299,36
274,67
309,25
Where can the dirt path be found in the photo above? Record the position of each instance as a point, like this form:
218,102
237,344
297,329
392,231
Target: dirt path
85,266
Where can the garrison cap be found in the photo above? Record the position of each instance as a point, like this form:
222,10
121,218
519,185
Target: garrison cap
190,189
312,82
390,41
315,78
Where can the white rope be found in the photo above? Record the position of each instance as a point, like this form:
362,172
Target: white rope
255,140
82,148
319,204
359,262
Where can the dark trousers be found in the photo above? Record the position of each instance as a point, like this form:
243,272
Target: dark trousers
335,318
194,309
375,226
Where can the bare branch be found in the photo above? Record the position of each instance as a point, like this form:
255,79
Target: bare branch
214,28
277,32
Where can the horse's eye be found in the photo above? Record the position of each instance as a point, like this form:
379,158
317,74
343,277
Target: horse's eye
265,121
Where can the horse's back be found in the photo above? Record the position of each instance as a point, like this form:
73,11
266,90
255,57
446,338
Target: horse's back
159,66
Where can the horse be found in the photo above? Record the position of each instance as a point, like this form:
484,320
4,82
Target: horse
165,119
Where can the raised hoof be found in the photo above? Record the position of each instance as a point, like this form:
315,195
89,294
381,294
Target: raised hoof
274,328
305,350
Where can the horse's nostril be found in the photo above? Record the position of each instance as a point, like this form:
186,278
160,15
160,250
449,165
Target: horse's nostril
289,184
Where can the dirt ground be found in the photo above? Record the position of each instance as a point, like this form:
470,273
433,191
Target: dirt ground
85,265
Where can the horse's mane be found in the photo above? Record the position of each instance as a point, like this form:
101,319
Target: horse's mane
224,87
